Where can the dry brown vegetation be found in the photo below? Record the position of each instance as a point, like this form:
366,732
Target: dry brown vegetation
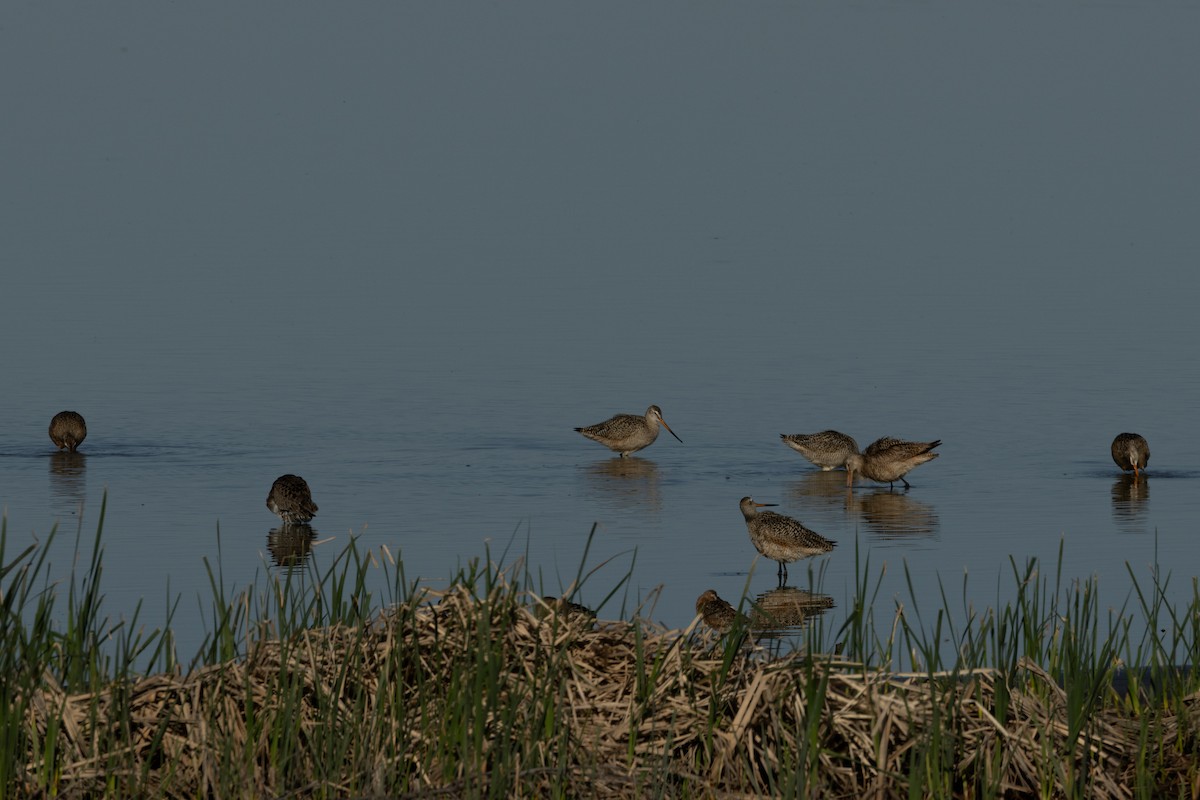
480,696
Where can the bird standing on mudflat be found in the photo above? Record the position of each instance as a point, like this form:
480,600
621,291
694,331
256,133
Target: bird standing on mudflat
1131,452
888,460
781,538
628,433
827,449
67,430
291,500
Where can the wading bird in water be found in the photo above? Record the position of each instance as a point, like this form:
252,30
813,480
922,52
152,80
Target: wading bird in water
67,430
291,500
781,538
628,433
827,449
1131,452
888,460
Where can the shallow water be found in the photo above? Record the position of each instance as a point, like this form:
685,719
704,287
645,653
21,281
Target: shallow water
412,250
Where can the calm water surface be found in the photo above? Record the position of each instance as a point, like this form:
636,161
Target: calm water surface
406,255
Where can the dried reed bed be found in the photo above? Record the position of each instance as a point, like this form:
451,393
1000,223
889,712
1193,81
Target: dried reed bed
460,694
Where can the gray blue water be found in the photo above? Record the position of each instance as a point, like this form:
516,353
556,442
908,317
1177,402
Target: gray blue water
403,250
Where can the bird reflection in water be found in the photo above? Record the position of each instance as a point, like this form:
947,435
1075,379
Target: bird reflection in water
291,545
68,481
820,493
773,614
631,481
786,610
1131,502
892,515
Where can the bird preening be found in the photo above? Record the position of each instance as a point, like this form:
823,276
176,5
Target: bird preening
68,430
1131,453
291,499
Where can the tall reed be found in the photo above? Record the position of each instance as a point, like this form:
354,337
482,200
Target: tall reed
311,683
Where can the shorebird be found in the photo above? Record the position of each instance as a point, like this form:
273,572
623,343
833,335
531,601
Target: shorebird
291,499
1131,452
67,430
628,433
888,460
781,538
565,608
717,613
827,449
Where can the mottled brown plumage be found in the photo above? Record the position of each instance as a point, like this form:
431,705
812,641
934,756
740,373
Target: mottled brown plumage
781,538
1131,452
67,430
291,499
827,449
888,460
717,613
628,433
